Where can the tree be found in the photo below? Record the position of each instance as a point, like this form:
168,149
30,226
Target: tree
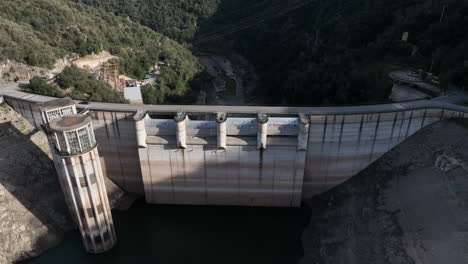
39,85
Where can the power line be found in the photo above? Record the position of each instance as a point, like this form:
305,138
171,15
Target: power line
269,13
252,18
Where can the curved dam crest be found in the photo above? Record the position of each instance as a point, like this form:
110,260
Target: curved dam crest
297,153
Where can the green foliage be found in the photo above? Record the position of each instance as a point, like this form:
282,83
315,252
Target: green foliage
38,32
39,85
177,19
339,51
154,94
85,87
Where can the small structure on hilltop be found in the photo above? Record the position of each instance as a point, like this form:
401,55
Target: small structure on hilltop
133,94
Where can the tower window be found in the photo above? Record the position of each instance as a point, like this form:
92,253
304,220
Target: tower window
52,115
92,178
73,142
90,212
84,138
83,182
66,111
100,209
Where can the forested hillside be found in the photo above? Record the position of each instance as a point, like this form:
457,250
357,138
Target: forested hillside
305,51
321,52
38,32
339,51
177,19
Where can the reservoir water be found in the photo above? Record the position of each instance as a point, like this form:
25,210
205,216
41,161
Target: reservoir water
169,234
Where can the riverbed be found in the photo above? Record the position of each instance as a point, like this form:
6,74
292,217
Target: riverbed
170,234
233,78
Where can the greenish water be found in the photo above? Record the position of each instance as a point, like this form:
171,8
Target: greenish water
194,234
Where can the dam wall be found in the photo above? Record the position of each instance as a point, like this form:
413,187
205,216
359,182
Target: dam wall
340,145
115,134
243,160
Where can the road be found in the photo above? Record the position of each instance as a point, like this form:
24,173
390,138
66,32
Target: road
445,102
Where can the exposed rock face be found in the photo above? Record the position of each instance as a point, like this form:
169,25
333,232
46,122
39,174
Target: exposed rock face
408,207
11,71
33,214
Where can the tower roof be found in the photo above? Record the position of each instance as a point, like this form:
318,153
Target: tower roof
70,122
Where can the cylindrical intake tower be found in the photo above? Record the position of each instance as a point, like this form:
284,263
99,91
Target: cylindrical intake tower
80,174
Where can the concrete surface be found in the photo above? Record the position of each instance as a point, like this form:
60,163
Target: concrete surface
33,214
342,141
408,207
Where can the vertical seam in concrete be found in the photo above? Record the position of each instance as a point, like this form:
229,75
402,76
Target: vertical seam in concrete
33,118
172,175
150,168
184,187
239,173
105,124
442,114
121,166
362,163
374,139
409,124
205,172
424,118
329,153
116,124
306,153
340,140
20,106
273,181
401,126
322,147
357,163
393,131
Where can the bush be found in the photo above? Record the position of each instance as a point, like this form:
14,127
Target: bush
86,87
39,85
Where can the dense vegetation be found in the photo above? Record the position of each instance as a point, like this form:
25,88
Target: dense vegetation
78,84
38,32
340,51
325,52
40,85
177,19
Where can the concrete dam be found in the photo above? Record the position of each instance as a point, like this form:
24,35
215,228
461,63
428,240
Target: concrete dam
246,155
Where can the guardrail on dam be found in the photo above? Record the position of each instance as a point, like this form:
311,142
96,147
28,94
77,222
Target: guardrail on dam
252,156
